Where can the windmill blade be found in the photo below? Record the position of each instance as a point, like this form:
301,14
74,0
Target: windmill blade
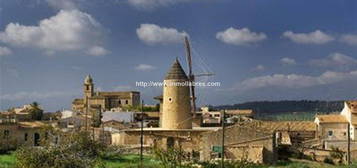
204,74
190,75
188,57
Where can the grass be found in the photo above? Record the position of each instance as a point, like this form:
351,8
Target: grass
133,161
7,161
126,161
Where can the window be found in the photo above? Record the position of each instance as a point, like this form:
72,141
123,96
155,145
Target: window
170,99
126,102
119,102
344,133
6,133
330,133
26,136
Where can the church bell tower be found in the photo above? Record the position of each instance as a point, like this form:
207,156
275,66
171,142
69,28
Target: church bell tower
88,87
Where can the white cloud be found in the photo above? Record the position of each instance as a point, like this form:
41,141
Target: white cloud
334,60
294,80
316,37
350,39
5,51
69,30
259,68
154,34
288,61
33,95
97,51
240,36
144,67
151,4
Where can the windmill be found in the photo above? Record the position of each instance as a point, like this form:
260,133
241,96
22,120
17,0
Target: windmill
191,76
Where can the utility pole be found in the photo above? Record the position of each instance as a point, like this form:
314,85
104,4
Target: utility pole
86,113
348,144
223,127
141,134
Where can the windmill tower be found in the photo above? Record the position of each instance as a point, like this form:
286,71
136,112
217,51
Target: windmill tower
176,99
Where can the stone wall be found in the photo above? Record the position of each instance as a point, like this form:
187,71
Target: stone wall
247,135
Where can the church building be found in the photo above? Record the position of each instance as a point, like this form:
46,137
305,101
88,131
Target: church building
106,101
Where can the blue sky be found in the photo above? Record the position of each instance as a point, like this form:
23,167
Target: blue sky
258,50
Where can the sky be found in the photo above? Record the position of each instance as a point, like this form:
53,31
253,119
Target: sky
257,49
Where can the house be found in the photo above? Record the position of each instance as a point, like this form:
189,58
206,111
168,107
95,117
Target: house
14,133
333,129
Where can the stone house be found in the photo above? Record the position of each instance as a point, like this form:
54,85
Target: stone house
332,129
246,141
14,133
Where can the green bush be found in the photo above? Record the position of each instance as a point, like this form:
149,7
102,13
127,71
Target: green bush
76,150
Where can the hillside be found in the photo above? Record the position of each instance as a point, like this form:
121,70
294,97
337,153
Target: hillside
287,106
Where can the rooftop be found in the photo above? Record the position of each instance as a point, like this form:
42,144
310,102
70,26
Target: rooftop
176,72
331,118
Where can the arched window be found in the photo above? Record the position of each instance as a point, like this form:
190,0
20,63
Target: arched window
36,138
26,136
6,133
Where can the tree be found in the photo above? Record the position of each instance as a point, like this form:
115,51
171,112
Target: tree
35,111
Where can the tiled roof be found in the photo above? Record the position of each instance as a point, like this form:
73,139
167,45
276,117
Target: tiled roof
34,124
288,125
240,112
332,118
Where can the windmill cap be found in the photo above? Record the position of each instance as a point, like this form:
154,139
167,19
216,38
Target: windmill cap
176,71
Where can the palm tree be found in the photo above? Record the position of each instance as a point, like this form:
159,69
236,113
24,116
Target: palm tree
36,112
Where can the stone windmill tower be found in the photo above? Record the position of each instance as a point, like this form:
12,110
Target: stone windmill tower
176,99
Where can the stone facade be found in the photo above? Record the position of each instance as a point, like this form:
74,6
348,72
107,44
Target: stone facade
259,145
106,101
176,100
14,134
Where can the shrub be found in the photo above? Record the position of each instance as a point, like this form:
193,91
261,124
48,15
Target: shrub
76,150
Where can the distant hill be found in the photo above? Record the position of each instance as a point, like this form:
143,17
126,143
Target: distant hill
287,106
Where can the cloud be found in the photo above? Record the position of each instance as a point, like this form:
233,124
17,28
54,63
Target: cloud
97,51
259,68
5,51
144,67
333,60
33,95
69,30
287,61
152,4
294,80
154,34
240,36
316,37
350,39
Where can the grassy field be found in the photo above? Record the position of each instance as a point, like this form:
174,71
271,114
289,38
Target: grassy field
7,161
133,161
126,161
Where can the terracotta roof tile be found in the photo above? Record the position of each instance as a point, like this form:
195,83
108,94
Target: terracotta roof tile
332,118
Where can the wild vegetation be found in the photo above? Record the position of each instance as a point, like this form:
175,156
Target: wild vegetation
285,106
